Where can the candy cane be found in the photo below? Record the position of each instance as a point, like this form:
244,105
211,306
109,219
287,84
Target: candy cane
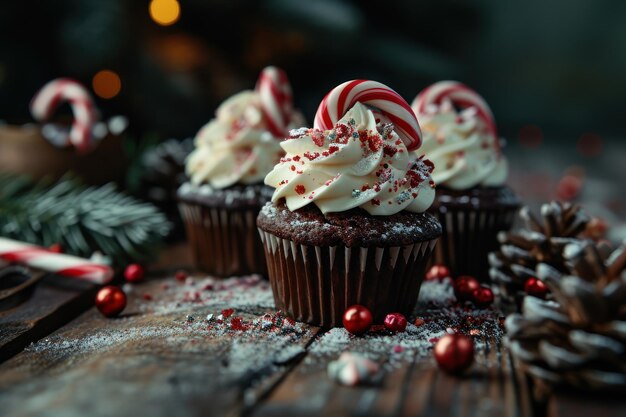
460,95
276,99
341,98
61,264
60,90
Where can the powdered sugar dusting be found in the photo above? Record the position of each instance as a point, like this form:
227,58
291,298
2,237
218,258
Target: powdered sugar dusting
238,314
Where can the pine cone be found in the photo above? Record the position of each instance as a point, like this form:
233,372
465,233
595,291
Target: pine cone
162,172
579,339
540,241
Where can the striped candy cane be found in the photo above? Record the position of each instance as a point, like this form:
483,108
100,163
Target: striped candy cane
460,95
62,90
61,264
341,98
276,99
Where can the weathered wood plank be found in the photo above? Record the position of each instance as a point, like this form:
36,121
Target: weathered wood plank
54,302
153,360
563,404
487,389
57,300
412,386
412,383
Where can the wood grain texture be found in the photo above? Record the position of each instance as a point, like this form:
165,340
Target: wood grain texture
564,404
54,302
412,388
145,362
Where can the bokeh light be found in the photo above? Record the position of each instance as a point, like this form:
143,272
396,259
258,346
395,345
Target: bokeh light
589,144
530,136
106,84
164,12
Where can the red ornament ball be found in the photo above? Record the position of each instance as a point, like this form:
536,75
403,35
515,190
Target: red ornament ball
454,353
111,301
357,319
536,287
180,275
464,287
395,322
134,273
438,272
482,297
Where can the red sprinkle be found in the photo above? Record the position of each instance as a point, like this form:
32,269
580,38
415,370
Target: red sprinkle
389,150
228,312
318,137
147,297
300,189
236,323
311,155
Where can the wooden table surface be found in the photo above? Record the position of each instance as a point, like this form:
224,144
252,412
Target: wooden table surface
59,356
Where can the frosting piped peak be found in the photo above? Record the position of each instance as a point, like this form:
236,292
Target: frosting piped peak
242,143
357,163
459,136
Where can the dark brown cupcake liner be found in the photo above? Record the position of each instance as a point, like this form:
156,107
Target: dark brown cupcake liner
468,237
316,284
223,242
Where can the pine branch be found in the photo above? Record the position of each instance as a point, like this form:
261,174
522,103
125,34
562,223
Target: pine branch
82,219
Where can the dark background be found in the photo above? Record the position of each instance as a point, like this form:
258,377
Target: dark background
558,65
553,71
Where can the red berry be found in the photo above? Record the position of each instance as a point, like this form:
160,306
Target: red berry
357,319
134,273
464,287
569,187
438,272
56,248
454,353
482,297
395,322
536,287
180,275
110,300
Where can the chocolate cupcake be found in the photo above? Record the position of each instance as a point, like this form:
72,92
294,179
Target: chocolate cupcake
347,222
233,153
473,203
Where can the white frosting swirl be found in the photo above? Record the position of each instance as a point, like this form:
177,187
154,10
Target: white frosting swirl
465,154
236,146
356,164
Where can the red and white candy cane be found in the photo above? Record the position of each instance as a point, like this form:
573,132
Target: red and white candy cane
61,264
276,99
62,90
341,98
460,95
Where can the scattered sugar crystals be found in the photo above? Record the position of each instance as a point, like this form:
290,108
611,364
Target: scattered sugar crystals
240,313
211,294
437,314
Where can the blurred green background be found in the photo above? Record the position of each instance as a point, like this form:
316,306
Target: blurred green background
552,71
556,65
